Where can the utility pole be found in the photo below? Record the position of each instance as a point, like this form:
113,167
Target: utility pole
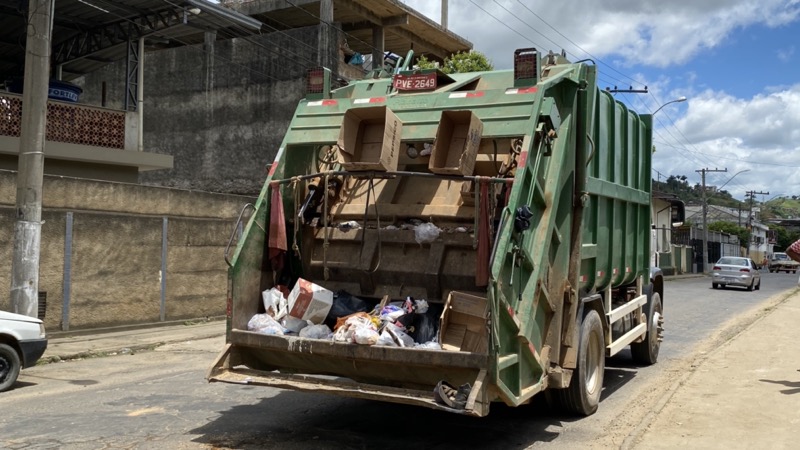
752,196
705,214
28,226
443,22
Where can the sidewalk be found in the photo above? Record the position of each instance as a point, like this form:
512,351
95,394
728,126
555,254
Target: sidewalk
61,346
745,393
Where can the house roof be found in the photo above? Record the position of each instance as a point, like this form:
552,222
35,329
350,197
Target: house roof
405,28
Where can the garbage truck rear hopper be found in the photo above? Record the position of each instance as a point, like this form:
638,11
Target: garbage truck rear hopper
535,187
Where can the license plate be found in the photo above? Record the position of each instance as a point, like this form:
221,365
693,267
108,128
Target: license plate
415,82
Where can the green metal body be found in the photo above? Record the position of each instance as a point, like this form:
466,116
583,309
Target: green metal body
583,171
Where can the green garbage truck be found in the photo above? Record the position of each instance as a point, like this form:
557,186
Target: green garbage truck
515,203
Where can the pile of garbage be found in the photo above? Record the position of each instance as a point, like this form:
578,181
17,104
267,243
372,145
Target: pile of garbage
313,312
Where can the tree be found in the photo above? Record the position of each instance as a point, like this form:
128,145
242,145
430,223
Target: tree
461,62
732,229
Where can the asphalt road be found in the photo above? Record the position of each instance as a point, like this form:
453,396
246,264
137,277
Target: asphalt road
159,399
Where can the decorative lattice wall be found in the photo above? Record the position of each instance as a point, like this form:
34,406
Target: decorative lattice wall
68,123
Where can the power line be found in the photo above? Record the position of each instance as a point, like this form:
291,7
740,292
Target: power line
576,45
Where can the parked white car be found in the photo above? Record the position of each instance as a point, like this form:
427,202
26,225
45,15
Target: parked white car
22,342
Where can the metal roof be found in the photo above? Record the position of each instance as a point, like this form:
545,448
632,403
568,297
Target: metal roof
88,34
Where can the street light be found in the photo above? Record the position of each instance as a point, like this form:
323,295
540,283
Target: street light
677,100
705,215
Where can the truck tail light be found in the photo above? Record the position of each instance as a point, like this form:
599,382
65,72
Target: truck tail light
526,67
318,83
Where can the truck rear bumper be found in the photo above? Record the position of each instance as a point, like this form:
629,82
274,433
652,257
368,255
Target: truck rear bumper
343,387
398,375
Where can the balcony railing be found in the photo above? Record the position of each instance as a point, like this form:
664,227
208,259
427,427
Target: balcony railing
68,123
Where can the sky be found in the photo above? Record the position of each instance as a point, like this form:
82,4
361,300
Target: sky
737,62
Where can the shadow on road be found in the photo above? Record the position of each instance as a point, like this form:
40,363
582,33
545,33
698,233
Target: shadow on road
296,420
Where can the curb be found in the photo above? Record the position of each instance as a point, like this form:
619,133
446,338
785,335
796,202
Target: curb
128,349
133,327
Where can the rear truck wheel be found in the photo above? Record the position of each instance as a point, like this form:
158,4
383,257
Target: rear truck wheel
771,271
583,394
752,285
9,367
646,352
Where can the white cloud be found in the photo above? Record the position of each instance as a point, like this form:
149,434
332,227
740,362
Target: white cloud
652,33
721,131
785,54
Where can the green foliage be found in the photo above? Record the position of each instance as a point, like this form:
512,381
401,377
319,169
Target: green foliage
424,63
461,62
783,237
732,229
471,61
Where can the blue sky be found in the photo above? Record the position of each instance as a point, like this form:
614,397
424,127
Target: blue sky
736,62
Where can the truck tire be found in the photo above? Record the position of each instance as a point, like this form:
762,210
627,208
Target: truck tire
583,394
646,352
9,367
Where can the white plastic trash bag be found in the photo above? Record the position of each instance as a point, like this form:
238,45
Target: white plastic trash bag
265,324
365,335
316,332
426,233
274,303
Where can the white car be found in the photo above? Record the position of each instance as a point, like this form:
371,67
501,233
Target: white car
22,342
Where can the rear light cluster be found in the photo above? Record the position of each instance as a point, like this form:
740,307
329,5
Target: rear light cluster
717,268
744,270
315,80
526,67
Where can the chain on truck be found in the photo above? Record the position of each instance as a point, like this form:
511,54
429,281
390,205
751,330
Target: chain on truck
516,204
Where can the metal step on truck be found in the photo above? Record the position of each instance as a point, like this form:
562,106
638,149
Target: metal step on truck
515,203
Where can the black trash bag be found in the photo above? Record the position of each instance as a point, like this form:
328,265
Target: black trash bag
343,305
421,327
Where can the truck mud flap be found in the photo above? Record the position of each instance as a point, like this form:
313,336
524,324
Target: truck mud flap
391,374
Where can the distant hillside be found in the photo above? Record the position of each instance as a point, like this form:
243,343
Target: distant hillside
679,186
781,207
784,207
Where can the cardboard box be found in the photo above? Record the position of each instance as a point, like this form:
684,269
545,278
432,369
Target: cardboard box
456,145
463,323
370,139
308,301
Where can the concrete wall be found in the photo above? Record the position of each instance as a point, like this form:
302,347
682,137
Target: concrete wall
116,258
221,109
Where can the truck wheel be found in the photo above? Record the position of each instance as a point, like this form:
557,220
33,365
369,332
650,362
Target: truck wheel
583,394
9,367
646,352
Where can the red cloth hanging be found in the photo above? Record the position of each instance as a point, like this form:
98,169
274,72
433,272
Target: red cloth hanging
277,228
482,265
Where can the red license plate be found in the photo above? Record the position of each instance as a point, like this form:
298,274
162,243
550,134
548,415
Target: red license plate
415,82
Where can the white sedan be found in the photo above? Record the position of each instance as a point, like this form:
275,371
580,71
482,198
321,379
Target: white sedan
735,271
22,343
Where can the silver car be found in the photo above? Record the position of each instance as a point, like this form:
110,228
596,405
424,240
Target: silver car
735,271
